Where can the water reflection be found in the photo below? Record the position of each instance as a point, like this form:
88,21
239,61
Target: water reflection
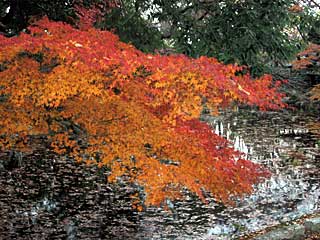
46,197
284,145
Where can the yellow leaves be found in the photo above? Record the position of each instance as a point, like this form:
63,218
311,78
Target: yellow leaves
21,128
161,84
76,44
241,89
25,71
93,91
55,127
52,89
61,142
191,79
315,128
136,202
181,94
187,107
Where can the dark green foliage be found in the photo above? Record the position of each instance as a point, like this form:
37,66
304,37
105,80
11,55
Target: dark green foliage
127,22
21,13
314,34
250,32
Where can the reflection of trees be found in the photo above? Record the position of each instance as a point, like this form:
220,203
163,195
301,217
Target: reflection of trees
315,128
308,62
315,96
48,197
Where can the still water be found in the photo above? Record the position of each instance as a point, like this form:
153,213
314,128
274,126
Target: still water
43,196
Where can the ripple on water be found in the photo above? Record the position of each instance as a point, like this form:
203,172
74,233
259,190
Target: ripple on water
283,144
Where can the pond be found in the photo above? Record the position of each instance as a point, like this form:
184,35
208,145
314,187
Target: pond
43,196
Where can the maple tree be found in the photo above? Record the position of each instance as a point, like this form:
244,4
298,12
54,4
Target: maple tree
309,59
102,101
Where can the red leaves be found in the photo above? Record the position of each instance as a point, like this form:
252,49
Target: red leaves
217,167
87,17
204,135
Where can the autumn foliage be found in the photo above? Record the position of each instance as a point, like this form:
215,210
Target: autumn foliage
104,102
309,58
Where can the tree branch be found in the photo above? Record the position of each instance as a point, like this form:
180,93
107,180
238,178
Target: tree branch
315,3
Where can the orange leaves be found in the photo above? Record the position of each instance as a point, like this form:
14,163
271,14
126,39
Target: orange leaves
308,58
315,128
296,8
61,143
104,102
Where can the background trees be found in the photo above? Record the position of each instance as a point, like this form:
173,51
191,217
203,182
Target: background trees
16,15
258,34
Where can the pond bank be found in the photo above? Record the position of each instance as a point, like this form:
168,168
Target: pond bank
307,228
